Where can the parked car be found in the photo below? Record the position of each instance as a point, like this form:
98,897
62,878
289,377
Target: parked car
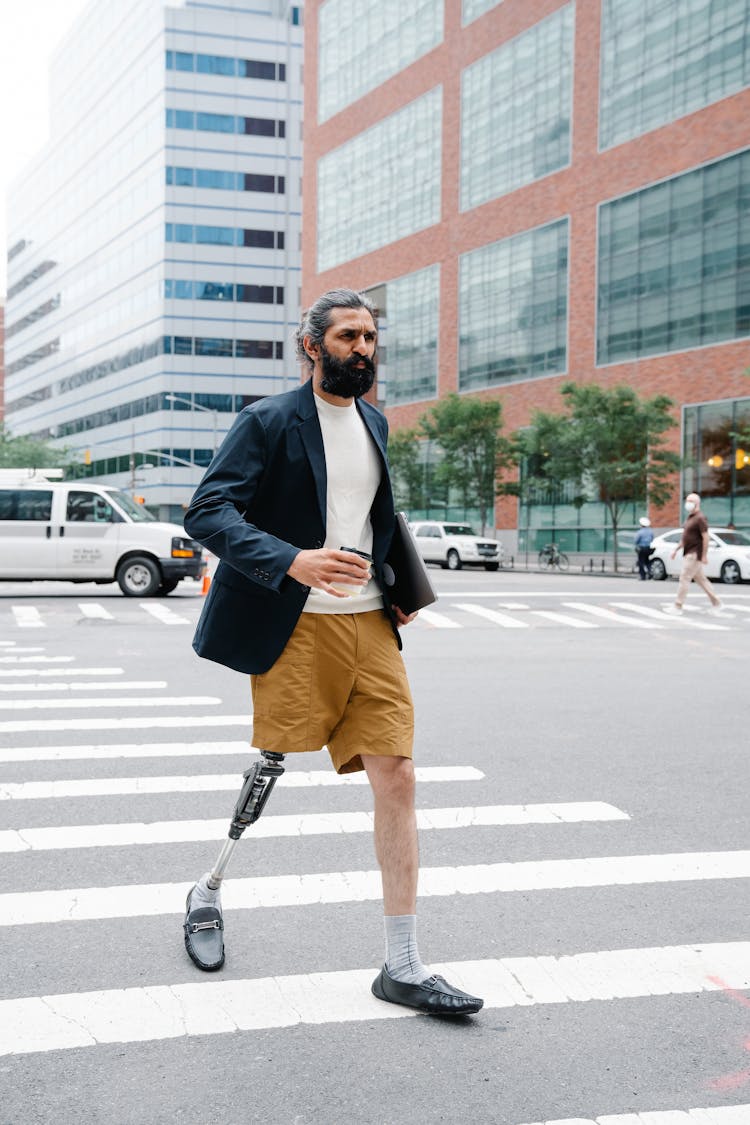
728,555
454,545
80,532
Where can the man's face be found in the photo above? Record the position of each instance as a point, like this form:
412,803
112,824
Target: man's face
346,355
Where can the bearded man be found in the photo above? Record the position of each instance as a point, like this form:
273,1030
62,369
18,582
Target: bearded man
298,506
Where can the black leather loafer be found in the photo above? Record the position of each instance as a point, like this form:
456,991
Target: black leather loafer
204,941
434,995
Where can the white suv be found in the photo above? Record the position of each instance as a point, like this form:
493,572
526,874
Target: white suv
454,545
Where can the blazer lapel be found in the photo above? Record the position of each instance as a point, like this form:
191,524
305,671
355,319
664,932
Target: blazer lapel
312,440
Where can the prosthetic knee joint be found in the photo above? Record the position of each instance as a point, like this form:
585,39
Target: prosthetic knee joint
258,783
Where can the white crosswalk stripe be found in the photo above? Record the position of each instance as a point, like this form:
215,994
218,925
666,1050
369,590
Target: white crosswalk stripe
436,620
564,619
715,1115
492,615
86,1019
659,615
305,824
610,615
95,611
27,616
164,614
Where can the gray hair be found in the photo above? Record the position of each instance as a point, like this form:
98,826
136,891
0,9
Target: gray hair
317,319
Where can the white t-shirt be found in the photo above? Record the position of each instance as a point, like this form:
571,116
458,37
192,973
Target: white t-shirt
353,469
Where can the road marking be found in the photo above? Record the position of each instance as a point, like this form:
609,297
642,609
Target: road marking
93,609
610,615
159,701
27,616
131,750
717,1115
513,605
36,659
79,904
665,618
122,685
16,672
299,824
164,614
564,619
492,615
209,783
437,620
7,644
122,722
85,1019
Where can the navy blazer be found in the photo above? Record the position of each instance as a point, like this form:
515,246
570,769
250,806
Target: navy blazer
262,500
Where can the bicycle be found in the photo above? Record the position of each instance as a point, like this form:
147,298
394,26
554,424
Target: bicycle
551,556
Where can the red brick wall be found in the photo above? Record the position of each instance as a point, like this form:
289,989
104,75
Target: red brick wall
693,376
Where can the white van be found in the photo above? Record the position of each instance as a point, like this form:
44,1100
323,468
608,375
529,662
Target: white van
80,532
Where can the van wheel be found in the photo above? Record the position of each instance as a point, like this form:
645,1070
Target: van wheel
454,560
138,577
167,587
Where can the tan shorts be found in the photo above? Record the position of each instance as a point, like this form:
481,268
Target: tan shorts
341,683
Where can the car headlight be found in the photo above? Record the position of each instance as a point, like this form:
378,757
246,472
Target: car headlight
185,548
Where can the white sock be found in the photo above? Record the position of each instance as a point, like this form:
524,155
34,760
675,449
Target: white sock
203,895
401,954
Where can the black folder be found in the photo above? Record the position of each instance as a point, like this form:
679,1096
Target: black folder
408,585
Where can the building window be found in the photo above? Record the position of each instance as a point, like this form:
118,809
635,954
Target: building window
716,448
472,9
674,263
224,65
408,327
392,178
662,61
30,278
223,236
516,111
225,123
223,179
32,317
513,308
36,356
361,45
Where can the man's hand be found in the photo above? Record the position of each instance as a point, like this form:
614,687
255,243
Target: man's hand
322,567
403,618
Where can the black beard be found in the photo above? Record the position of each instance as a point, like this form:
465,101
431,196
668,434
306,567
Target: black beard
342,378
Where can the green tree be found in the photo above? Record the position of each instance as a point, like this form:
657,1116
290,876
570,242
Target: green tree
24,452
468,432
407,471
608,444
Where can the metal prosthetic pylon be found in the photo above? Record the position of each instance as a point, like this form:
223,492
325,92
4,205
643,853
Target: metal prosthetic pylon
257,786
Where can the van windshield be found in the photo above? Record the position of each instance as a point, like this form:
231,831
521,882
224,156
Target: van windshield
136,512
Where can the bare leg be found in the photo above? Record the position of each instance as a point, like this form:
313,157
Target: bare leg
396,848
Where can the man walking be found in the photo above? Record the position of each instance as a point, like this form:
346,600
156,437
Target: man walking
694,545
298,506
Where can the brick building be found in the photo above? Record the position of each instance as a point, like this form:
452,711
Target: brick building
538,190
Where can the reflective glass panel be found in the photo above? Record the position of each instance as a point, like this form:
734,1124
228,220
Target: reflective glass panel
513,308
382,185
361,45
674,263
516,111
662,60
472,9
409,329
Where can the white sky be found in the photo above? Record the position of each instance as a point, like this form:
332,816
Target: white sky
29,32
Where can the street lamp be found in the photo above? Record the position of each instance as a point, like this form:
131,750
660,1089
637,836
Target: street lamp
197,406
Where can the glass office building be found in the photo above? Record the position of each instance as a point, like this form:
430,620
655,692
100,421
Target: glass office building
154,247
557,191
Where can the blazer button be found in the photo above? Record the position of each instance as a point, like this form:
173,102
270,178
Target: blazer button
317,543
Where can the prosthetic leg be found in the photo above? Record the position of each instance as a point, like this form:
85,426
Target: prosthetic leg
204,924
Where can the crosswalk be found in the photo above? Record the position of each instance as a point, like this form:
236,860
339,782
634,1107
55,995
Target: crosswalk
50,816
450,612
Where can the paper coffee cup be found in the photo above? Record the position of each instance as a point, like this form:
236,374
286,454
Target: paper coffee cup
344,587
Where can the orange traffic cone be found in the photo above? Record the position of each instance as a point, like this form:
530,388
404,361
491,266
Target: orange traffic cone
206,584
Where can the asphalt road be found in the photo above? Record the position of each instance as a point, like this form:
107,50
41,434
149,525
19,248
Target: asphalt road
585,864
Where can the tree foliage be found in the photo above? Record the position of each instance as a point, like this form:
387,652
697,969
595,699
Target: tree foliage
24,452
474,451
407,472
608,444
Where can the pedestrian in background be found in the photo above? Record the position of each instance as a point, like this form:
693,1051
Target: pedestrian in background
644,537
694,545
